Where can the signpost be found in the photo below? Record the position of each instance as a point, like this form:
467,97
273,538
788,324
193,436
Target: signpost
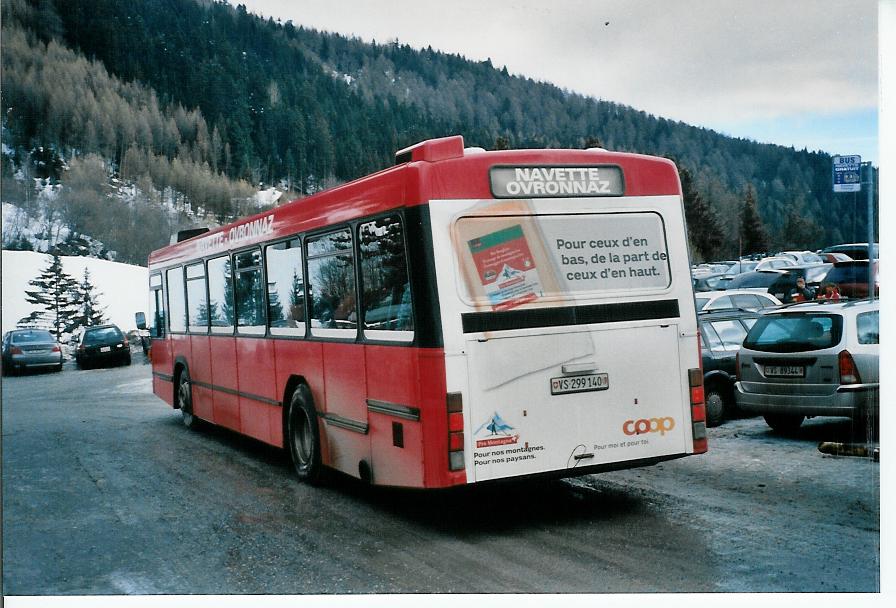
847,173
847,177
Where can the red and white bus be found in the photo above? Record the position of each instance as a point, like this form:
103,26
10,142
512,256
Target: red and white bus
460,317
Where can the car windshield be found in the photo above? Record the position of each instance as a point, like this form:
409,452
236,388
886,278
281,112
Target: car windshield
106,334
701,302
795,332
26,337
742,267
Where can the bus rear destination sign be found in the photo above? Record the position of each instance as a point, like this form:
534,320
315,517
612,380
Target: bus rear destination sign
553,181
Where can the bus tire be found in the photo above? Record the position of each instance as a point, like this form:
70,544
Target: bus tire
185,400
303,436
716,401
784,423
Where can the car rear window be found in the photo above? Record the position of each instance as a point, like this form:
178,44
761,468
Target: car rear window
106,334
795,332
32,336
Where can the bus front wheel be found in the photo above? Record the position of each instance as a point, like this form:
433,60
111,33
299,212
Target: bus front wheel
304,436
185,400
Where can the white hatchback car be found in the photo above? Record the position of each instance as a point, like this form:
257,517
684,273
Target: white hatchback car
811,359
743,299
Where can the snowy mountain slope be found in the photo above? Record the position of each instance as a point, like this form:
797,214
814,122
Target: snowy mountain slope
122,287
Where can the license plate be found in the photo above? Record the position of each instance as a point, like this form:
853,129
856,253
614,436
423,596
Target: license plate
785,371
579,384
105,349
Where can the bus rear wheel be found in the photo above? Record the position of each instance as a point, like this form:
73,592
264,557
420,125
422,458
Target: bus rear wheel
303,436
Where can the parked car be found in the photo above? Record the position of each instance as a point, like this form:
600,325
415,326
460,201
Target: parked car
742,266
801,257
710,282
852,278
30,348
735,299
774,263
811,359
722,333
813,274
831,257
101,345
756,280
857,251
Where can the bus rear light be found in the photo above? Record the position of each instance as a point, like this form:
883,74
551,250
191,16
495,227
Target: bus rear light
455,422
455,405
698,406
849,373
455,402
455,442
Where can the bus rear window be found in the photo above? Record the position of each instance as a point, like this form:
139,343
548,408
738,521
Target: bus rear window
512,260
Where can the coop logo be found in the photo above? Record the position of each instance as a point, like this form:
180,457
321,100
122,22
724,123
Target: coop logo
648,425
495,431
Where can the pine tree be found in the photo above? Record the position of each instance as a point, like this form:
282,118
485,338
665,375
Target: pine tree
754,237
56,294
704,225
89,311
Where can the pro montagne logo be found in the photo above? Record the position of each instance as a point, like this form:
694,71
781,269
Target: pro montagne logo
495,431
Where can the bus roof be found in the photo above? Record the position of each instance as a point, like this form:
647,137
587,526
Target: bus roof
431,170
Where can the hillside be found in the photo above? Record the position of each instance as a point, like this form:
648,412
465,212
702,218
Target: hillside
211,101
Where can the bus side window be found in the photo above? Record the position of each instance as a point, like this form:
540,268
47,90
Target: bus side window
197,304
249,292
387,289
286,288
331,278
220,295
177,308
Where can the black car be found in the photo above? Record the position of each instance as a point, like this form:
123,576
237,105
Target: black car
813,274
102,344
30,348
721,333
757,280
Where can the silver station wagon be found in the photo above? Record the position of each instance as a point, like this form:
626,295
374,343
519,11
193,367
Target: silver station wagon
811,359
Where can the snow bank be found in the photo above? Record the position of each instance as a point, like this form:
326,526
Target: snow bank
123,288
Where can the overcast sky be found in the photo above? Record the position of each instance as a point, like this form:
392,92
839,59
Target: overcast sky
801,73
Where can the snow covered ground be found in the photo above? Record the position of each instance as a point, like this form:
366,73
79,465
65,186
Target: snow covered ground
123,288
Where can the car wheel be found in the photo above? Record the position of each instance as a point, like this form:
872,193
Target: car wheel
127,359
58,368
784,423
185,400
303,436
716,401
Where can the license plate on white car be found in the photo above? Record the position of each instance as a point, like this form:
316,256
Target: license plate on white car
580,384
785,371
105,349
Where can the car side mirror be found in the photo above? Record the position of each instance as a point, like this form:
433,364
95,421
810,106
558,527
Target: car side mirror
140,318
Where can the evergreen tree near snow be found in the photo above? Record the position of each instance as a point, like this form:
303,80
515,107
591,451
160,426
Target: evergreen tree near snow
89,311
55,294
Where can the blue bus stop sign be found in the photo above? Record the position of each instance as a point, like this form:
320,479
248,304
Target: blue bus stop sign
847,173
